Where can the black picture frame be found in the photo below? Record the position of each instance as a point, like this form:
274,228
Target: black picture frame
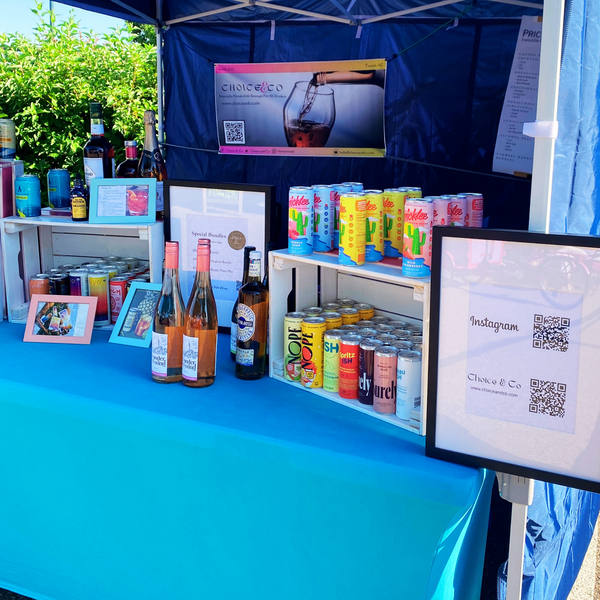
440,233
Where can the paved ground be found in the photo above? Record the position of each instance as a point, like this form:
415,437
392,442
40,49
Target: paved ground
587,586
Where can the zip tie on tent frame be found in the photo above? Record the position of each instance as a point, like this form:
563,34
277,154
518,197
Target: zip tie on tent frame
407,160
452,20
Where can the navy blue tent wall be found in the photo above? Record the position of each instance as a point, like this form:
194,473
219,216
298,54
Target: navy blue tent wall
442,113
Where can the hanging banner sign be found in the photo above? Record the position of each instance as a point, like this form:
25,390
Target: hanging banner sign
301,109
514,151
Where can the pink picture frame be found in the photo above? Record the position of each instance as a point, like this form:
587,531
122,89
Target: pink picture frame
60,319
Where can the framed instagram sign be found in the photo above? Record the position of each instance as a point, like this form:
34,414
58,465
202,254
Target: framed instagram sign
333,108
123,201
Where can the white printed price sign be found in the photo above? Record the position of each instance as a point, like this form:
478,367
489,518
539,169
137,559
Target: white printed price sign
514,366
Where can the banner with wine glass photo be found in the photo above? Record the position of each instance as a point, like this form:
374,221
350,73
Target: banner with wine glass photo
333,108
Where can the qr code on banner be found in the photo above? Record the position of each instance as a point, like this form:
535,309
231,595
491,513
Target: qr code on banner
547,398
551,333
235,132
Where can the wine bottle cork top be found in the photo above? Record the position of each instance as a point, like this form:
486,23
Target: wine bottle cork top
172,248
149,116
203,247
95,110
255,254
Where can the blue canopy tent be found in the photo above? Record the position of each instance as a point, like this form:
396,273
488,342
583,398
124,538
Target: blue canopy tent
448,67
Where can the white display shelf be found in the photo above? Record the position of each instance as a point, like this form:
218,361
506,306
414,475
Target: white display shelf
36,244
320,278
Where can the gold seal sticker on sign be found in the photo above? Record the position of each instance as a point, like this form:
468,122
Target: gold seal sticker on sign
237,240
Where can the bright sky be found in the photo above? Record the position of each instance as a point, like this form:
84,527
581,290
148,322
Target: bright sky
16,16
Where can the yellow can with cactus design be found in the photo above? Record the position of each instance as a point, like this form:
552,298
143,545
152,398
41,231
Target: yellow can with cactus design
393,221
353,208
374,226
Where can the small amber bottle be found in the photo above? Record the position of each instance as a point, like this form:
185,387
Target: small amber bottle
80,200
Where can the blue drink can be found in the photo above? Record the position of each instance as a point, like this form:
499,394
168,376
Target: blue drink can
59,188
340,188
300,220
355,185
323,218
28,199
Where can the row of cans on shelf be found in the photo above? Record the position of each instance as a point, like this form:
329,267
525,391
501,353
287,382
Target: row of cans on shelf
376,361
109,279
367,226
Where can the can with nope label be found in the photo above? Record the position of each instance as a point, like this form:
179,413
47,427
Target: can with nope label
352,229
418,222
349,349
474,217
323,218
374,226
331,360
300,221
311,361
292,344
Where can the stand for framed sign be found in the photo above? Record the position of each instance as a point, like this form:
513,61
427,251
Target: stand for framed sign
513,355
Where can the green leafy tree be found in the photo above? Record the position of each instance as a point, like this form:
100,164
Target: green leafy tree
48,80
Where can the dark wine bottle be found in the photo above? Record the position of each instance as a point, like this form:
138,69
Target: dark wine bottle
233,325
98,153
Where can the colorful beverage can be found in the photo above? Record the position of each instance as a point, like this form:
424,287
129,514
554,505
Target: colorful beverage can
414,192
79,282
385,364
131,320
59,188
396,324
111,259
418,222
377,320
386,338
324,205
367,332
28,200
121,265
345,302
331,306
365,370
118,291
292,344
352,229
113,271
474,216
62,285
312,311
340,188
313,330
55,285
39,284
458,210
331,361
99,287
349,315
8,139
383,328
349,350
393,217
416,329
409,383
416,339
366,311
300,221
404,345
351,328
441,211
333,320
374,226
355,186
132,262
364,323
403,334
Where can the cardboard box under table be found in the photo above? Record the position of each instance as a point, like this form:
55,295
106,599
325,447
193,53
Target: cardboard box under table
115,487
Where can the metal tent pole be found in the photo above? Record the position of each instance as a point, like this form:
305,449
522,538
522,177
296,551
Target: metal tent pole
159,72
547,105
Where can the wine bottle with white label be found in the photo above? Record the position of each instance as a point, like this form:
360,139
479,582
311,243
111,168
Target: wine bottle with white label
151,162
233,331
167,336
200,329
98,153
253,306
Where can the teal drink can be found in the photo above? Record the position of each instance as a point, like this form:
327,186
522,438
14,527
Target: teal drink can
28,199
59,188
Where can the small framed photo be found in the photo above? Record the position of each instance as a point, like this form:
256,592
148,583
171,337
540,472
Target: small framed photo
123,201
60,319
134,325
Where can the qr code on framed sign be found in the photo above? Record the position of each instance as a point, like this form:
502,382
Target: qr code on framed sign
551,333
547,398
235,132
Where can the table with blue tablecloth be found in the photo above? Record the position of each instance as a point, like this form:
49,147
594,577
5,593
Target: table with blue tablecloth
114,487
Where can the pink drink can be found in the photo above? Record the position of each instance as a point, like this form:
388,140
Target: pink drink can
418,222
458,210
385,365
474,216
300,221
441,211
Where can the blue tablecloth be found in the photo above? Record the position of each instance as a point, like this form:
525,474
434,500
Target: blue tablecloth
113,487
